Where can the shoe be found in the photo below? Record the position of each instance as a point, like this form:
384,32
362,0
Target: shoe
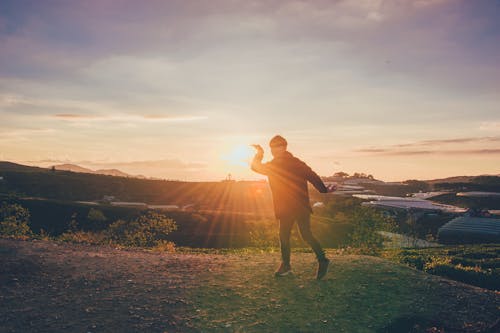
283,270
322,269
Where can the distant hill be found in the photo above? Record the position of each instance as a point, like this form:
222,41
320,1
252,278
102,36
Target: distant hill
87,185
77,168
10,166
114,172
72,168
456,179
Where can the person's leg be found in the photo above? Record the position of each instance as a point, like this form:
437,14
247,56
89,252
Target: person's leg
286,224
304,222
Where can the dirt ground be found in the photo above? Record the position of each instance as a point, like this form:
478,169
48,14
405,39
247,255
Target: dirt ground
56,287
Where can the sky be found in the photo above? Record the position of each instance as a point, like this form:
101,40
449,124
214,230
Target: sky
400,89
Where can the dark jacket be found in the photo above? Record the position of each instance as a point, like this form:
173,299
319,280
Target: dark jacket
288,177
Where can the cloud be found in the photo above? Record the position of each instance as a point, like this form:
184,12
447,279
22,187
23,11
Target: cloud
158,164
379,151
438,146
432,143
490,126
387,152
83,110
72,36
72,116
8,134
126,117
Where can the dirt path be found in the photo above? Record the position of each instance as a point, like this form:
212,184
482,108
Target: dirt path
49,287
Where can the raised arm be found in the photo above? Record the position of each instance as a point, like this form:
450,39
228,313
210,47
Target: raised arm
257,164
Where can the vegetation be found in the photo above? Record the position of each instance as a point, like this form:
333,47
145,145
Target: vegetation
232,215
367,222
478,265
150,229
147,230
26,181
481,183
469,202
14,221
345,176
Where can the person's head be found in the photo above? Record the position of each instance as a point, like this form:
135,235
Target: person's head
278,145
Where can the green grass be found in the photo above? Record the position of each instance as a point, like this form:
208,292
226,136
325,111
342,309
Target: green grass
477,265
360,294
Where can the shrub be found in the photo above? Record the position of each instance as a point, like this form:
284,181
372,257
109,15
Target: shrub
472,275
455,263
85,237
264,233
96,218
147,230
14,221
367,222
164,246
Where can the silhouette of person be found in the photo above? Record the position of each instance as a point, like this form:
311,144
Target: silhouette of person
288,177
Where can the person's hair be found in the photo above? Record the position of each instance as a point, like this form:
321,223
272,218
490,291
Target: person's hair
277,141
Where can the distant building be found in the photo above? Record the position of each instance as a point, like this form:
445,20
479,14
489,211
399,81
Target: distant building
129,204
470,230
189,207
164,207
108,198
478,194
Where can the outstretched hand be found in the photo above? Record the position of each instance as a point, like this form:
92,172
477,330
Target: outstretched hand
259,149
331,188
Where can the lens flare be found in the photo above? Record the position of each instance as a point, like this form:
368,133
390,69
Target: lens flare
240,155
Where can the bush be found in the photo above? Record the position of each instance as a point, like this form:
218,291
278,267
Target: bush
147,230
164,246
476,264
96,219
264,233
14,221
472,275
367,222
85,237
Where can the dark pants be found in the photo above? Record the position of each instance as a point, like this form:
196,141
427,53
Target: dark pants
304,223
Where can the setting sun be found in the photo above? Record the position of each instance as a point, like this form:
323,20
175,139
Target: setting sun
240,155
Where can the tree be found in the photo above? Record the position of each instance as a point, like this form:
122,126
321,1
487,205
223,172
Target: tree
341,174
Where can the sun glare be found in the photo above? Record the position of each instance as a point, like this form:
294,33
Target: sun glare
239,155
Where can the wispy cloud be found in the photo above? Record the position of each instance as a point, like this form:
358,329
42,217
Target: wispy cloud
490,126
24,134
162,164
438,146
73,116
378,151
388,152
437,142
126,117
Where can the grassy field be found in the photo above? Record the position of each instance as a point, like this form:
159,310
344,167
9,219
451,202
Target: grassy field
59,287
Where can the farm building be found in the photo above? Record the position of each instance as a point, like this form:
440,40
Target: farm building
469,230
